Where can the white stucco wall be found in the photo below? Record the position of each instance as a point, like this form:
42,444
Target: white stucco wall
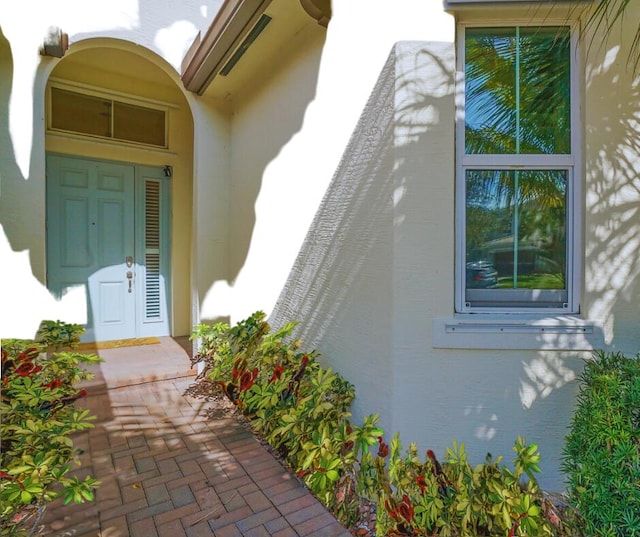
288,136
211,217
376,268
341,285
612,178
367,284
272,185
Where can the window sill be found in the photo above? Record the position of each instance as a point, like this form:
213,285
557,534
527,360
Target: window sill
520,332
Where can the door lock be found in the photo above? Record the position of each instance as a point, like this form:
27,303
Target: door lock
129,277
129,260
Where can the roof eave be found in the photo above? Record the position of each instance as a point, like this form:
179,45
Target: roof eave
208,55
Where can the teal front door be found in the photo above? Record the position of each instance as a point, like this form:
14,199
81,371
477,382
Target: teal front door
107,232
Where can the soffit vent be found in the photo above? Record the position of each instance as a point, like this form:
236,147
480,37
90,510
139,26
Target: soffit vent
262,23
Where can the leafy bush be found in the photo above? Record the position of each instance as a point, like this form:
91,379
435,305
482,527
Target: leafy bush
425,497
38,417
58,335
602,450
303,411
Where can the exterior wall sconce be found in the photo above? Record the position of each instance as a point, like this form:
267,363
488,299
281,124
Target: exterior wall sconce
55,43
167,170
319,10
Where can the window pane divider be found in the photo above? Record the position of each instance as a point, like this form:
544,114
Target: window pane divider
513,162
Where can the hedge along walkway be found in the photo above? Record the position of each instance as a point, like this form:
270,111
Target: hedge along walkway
171,468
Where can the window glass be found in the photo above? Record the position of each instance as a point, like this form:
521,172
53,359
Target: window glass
516,170
80,113
98,116
517,91
515,227
138,124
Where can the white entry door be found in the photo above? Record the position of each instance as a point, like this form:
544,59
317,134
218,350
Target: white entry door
92,241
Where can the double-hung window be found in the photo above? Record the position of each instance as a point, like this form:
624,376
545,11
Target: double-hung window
517,170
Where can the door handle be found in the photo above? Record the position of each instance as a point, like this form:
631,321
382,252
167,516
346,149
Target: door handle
130,278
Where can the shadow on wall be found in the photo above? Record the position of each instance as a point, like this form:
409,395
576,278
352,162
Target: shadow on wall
267,148
341,287
15,218
383,211
337,256
345,265
272,118
612,262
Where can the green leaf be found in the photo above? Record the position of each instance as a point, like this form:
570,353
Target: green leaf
309,459
533,511
333,475
506,518
20,470
88,495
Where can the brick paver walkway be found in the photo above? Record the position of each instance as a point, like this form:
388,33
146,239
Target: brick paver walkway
168,470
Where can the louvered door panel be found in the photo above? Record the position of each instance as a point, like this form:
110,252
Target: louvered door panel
152,253
153,257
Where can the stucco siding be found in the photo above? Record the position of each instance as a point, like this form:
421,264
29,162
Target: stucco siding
273,180
612,183
483,397
210,217
340,287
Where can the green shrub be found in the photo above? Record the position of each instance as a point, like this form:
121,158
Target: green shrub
38,417
303,411
425,497
57,335
602,450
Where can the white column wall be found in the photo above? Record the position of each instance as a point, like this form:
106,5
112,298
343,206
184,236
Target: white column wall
275,184
211,217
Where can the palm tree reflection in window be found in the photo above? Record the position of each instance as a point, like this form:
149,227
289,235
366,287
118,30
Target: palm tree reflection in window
517,102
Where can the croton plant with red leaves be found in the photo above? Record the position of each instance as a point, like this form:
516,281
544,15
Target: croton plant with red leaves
373,488
38,396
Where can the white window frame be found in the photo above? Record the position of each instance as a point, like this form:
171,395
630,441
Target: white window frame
571,162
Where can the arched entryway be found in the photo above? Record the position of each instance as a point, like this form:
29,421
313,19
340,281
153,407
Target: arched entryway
119,151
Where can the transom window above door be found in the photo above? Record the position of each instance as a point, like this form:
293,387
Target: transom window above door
517,173
105,117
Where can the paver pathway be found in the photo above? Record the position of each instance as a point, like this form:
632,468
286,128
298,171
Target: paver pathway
168,470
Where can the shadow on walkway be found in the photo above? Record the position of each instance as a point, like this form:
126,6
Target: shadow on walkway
172,466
